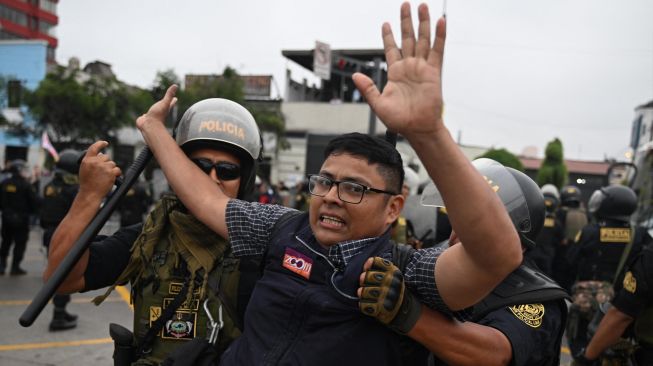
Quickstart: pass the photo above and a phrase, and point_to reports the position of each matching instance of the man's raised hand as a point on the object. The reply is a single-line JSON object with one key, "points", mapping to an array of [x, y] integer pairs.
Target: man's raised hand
{"points": [[97, 173], [157, 113], [411, 102]]}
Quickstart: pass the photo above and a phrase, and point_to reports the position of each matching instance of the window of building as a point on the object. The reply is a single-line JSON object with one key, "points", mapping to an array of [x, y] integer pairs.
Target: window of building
{"points": [[4, 35], [47, 28], [13, 93], [49, 6], [13, 15]]}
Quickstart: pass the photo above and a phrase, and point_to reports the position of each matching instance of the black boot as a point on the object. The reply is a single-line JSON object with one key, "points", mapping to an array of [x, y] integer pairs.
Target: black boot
{"points": [[3, 265], [62, 320], [17, 271]]}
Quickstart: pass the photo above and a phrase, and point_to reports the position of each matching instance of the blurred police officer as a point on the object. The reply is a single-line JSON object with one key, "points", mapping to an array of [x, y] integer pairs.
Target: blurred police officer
{"points": [[18, 201], [551, 233], [633, 304], [134, 205], [58, 196], [573, 218], [595, 256]]}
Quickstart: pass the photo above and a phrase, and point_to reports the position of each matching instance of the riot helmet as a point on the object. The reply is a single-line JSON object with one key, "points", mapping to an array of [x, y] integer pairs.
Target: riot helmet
{"points": [[570, 196], [551, 197], [613, 202], [69, 160], [17, 166], [520, 195], [218, 123]]}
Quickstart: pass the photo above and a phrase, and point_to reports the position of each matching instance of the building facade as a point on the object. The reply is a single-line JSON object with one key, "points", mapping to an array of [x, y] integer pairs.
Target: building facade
{"points": [[28, 20]]}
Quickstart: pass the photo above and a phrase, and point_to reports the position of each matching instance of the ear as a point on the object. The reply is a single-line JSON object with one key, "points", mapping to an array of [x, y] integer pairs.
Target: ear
{"points": [[393, 208]]}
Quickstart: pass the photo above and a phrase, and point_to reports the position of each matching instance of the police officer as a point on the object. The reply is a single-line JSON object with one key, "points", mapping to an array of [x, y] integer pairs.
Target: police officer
{"points": [[189, 292], [573, 218], [18, 201], [134, 205], [551, 233], [519, 323], [58, 196], [595, 256], [633, 304], [402, 230]]}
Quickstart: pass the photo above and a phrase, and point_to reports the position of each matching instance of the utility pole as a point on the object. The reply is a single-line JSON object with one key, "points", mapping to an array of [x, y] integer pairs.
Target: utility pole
{"points": [[377, 81]]}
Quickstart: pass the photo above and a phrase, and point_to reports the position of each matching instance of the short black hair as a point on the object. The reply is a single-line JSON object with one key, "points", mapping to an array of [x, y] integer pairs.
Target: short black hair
{"points": [[375, 151]]}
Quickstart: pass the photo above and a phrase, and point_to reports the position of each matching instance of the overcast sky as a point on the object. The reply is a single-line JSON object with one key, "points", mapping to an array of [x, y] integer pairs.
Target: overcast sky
{"points": [[517, 73]]}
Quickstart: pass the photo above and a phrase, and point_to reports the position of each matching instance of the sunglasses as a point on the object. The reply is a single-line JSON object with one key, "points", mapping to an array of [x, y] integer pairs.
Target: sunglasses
{"points": [[223, 169]]}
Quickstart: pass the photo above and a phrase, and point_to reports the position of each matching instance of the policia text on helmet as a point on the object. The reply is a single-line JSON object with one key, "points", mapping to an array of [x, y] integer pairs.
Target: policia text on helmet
{"points": [[222, 121]]}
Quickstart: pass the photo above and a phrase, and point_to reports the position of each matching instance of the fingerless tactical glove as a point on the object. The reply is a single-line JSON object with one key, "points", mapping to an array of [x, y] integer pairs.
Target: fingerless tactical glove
{"points": [[384, 296]]}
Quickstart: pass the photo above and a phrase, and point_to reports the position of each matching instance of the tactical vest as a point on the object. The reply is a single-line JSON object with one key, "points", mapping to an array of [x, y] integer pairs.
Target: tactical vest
{"points": [[525, 285], [189, 320], [304, 309], [605, 242], [157, 284]]}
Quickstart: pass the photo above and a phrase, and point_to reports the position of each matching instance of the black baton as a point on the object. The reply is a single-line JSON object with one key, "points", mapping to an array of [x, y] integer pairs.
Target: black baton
{"points": [[47, 291]]}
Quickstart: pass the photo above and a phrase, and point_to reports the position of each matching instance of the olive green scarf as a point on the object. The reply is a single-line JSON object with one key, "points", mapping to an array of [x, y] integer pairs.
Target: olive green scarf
{"points": [[186, 238]]}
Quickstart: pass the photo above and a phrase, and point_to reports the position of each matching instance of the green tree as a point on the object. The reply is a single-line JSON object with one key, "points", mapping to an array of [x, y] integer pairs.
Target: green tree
{"points": [[504, 157], [74, 109], [553, 169]]}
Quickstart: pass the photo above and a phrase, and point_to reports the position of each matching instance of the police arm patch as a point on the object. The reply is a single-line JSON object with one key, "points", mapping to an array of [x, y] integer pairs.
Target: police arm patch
{"points": [[530, 314], [630, 282]]}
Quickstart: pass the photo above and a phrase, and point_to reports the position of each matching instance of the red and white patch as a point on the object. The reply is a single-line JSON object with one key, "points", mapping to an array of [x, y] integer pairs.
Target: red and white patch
{"points": [[298, 263]]}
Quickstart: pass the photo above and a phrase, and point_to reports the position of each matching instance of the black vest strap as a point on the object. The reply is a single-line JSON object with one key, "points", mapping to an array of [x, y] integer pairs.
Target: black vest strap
{"points": [[523, 286]]}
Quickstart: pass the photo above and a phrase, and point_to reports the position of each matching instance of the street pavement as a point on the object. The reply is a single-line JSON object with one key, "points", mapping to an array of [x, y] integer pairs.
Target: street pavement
{"points": [[87, 344]]}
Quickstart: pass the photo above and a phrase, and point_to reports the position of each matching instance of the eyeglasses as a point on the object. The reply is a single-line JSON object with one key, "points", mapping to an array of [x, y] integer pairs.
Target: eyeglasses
{"points": [[350, 192], [223, 169]]}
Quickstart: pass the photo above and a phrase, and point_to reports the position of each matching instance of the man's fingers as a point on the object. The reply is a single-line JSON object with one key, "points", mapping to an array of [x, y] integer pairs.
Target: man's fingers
{"points": [[95, 149], [116, 171], [373, 278], [392, 53], [170, 94], [367, 88], [407, 33], [381, 264], [423, 32], [370, 293], [436, 55]]}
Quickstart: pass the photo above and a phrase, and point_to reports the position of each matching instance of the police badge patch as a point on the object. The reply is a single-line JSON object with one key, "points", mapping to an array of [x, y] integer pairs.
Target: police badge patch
{"points": [[630, 282], [181, 326], [531, 314]]}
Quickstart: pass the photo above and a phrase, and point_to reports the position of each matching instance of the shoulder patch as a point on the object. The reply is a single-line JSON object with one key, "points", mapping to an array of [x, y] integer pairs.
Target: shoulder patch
{"points": [[11, 188], [549, 222], [630, 282], [615, 235], [530, 314]]}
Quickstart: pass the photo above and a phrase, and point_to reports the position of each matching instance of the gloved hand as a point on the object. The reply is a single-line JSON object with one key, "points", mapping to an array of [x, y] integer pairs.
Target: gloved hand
{"points": [[581, 360], [384, 296]]}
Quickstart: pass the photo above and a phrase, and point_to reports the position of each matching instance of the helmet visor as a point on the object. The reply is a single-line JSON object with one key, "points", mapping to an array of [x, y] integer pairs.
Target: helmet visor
{"points": [[503, 184]]}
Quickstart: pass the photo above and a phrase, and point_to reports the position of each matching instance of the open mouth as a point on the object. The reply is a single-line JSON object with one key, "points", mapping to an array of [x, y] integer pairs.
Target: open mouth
{"points": [[332, 221]]}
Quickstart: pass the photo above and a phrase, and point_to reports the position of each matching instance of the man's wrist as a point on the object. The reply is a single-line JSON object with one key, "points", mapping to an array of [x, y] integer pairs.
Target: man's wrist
{"points": [[408, 314]]}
